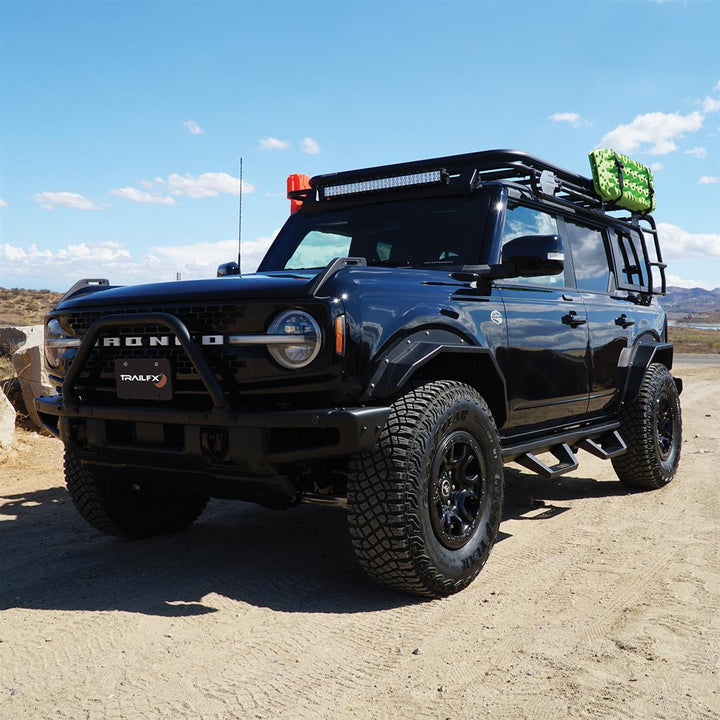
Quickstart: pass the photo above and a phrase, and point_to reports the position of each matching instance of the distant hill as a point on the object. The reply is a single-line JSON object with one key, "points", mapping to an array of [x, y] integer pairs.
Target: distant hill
{"points": [[25, 307], [692, 304]]}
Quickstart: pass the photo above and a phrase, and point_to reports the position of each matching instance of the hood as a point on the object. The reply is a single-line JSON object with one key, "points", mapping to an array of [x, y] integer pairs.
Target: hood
{"points": [[275, 285]]}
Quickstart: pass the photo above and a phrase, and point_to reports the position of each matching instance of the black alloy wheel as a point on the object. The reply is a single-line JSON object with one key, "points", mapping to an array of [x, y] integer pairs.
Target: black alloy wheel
{"points": [[457, 489]]}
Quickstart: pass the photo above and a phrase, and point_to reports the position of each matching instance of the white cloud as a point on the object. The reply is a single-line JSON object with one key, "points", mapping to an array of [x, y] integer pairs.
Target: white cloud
{"points": [[162, 191], [194, 260], [708, 180], [49, 200], [310, 146], [3, 203], [193, 127], [658, 130], [82, 254], [700, 152], [656, 166], [209, 184], [139, 196], [676, 281], [271, 143], [711, 105], [253, 251], [571, 118], [717, 87], [677, 244], [32, 266]]}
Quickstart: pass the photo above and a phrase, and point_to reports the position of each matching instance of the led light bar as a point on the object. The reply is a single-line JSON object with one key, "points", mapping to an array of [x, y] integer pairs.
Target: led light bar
{"points": [[387, 183]]}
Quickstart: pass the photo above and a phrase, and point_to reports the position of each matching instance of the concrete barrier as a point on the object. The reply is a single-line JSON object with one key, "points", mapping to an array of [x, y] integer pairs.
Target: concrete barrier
{"points": [[29, 364], [7, 422]]}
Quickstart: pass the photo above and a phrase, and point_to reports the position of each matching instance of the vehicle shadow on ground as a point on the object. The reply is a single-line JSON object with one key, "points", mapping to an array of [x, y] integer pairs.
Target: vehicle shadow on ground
{"points": [[299, 560]]}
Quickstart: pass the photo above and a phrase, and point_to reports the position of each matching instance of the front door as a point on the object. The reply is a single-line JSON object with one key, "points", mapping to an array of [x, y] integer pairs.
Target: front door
{"points": [[545, 362]]}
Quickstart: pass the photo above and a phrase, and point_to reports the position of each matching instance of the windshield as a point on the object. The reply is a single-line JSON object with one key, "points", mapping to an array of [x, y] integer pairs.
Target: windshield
{"points": [[414, 233]]}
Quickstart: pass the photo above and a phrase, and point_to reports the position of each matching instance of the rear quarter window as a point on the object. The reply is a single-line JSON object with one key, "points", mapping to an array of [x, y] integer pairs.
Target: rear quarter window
{"points": [[629, 261]]}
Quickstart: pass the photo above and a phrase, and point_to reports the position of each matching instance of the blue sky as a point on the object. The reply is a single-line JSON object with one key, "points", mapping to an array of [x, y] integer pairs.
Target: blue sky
{"points": [[123, 122]]}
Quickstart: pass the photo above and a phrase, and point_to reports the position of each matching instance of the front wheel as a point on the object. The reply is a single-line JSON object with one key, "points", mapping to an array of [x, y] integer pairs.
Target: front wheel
{"points": [[424, 506], [124, 505], [652, 428]]}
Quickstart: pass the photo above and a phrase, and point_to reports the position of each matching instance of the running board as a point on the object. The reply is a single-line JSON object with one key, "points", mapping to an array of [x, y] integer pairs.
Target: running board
{"points": [[608, 446], [602, 441], [567, 462]]}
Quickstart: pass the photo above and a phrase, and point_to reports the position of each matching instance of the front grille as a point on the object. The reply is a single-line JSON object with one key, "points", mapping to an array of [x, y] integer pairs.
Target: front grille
{"points": [[232, 365], [198, 318]]}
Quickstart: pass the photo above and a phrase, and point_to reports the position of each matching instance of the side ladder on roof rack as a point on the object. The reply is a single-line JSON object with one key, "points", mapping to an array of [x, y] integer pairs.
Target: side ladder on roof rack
{"points": [[651, 229]]}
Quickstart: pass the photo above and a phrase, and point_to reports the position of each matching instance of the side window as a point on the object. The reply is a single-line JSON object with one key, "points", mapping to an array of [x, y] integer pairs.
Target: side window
{"points": [[520, 221], [590, 258], [629, 260]]}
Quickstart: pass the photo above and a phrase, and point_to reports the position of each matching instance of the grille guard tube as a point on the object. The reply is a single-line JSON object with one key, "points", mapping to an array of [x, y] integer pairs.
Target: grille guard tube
{"points": [[169, 321]]}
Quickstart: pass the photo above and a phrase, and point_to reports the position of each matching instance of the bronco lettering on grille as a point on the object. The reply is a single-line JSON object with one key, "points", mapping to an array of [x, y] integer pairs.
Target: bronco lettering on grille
{"points": [[155, 340]]}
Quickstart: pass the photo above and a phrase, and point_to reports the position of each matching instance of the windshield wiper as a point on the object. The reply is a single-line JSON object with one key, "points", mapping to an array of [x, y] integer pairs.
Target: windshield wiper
{"points": [[389, 263]]}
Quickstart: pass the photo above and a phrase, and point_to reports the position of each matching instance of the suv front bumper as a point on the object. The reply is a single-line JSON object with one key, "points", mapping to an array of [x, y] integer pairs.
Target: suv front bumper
{"points": [[216, 441]]}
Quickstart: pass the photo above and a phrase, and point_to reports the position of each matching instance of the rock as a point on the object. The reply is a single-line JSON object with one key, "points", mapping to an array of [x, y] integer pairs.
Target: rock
{"points": [[7, 422], [34, 381], [11, 339], [34, 334]]}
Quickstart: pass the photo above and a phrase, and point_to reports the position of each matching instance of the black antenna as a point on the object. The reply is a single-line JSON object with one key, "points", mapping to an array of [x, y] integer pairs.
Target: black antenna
{"points": [[240, 219]]}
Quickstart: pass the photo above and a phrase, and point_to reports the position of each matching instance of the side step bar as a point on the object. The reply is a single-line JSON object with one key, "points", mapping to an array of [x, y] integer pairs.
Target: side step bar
{"points": [[608, 446], [602, 441], [567, 462]]}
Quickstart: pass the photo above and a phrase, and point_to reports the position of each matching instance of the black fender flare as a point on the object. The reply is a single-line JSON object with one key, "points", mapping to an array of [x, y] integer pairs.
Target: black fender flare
{"points": [[634, 362], [406, 358]]}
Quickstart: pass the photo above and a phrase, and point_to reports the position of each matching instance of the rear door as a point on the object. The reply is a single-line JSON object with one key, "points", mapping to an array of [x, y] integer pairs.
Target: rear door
{"points": [[610, 316], [545, 363]]}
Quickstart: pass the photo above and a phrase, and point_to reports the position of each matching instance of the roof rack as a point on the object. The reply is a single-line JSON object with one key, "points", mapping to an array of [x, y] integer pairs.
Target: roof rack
{"points": [[470, 170]]}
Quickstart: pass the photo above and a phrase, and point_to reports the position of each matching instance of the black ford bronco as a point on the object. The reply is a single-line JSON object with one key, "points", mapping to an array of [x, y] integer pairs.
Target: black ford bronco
{"points": [[412, 328]]}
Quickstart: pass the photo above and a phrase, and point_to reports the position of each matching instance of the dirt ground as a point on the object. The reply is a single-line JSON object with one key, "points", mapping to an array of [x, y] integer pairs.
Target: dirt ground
{"points": [[595, 603]]}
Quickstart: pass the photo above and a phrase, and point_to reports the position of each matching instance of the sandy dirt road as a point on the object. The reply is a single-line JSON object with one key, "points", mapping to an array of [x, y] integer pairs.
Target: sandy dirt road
{"points": [[595, 603]]}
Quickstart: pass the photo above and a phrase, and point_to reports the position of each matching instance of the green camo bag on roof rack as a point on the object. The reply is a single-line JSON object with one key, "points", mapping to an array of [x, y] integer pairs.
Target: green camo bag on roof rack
{"points": [[622, 181]]}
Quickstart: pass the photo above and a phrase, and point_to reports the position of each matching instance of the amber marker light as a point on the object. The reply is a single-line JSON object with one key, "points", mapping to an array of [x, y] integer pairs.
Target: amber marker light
{"points": [[340, 334]]}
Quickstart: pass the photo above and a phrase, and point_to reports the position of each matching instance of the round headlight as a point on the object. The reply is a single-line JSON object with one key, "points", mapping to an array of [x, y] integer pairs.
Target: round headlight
{"points": [[297, 339], [57, 341]]}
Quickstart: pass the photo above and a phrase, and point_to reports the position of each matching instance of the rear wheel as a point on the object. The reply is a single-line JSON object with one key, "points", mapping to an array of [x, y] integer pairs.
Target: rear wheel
{"points": [[117, 504], [652, 428], [424, 505]]}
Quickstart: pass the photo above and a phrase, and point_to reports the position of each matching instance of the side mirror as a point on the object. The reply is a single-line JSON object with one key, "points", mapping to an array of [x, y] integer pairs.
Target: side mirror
{"points": [[535, 255], [228, 268]]}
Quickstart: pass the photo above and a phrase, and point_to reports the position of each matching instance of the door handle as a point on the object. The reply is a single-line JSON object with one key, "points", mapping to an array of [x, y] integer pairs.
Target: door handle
{"points": [[573, 319], [624, 321]]}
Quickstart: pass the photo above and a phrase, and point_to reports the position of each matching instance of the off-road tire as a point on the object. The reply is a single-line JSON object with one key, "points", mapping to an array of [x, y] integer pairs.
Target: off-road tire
{"points": [[405, 535], [652, 428], [117, 504]]}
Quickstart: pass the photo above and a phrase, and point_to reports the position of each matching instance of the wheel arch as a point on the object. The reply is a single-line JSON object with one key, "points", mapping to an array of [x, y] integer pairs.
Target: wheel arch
{"points": [[439, 354], [635, 361]]}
